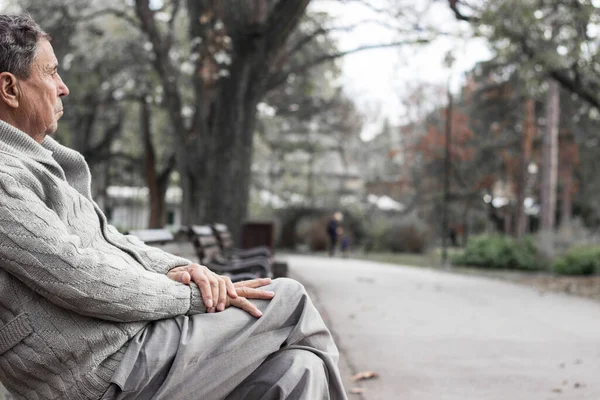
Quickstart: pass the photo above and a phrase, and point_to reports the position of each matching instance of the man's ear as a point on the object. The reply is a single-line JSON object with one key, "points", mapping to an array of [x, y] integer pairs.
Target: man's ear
{"points": [[9, 90]]}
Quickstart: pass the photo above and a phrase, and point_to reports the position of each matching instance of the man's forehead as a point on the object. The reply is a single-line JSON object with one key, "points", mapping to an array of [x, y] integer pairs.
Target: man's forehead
{"points": [[45, 57]]}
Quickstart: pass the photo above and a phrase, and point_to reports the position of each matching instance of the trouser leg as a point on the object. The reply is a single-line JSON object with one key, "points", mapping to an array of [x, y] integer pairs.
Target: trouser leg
{"points": [[332, 245], [292, 374], [219, 351]]}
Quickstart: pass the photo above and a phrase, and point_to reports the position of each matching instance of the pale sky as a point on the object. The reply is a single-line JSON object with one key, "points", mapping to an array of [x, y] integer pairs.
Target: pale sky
{"points": [[376, 79]]}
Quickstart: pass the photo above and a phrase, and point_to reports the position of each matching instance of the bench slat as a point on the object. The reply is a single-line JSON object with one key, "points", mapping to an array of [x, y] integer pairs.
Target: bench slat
{"points": [[153, 235]]}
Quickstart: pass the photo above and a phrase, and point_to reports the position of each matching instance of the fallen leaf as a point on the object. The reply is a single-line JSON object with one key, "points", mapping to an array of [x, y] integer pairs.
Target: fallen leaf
{"points": [[357, 390], [557, 390], [364, 375], [577, 385]]}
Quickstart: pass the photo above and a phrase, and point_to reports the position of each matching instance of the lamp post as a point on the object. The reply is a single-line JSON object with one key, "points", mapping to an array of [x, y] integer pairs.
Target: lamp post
{"points": [[449, 60], [447, 167]]}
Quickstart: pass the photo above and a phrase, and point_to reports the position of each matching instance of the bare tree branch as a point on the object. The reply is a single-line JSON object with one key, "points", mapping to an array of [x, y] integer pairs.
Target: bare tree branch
{"points": [[322, 31], [458, 14], [166, 172], [408, 23], [280, 78], [171, 23], [123, 14], [123, 156], [163, 65], [571, 84], [588, 92], [281, 22]]}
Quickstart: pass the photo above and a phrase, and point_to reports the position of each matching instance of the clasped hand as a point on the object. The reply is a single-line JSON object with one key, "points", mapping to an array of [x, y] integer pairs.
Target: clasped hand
{"points": [[218, 292]]}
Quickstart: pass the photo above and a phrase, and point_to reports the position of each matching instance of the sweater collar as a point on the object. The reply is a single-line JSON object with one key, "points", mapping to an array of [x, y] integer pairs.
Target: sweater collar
{"points": [[15, 141], [64, 162]]}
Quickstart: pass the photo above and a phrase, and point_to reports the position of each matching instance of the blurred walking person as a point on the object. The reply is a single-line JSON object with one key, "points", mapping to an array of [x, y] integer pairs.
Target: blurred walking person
{"points": [[334, 230]]}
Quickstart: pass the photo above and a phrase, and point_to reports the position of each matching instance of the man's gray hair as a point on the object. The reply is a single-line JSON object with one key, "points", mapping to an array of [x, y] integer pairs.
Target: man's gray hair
{"points": [[19, 37]]}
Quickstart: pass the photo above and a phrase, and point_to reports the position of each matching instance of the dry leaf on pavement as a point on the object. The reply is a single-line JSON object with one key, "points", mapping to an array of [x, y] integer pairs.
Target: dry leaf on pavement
{"points": [[364, 375]]}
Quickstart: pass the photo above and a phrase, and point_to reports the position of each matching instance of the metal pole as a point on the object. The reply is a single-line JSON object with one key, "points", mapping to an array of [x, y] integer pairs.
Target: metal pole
{"points": [[447, 167]]}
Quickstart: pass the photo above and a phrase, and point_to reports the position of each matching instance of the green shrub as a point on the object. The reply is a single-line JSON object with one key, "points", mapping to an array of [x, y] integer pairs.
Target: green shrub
{"points": [[407, 238], [376, 238], [500, 252], [578, 261], [386, 232]]}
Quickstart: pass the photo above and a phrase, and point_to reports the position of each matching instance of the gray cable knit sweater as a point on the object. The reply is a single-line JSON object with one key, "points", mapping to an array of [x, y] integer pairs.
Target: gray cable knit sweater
{"points": [[73, 290]]}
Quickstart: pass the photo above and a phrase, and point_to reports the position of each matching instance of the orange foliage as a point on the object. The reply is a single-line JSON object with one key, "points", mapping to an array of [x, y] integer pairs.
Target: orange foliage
{"points": [[486, 182], [432, 145], [568, 158]]}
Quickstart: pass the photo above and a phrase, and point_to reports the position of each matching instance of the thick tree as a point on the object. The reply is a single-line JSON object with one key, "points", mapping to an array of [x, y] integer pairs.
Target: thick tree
{"points": [[214, 150], [529, 129], [157, 180], [550, 158], [240, 51]]}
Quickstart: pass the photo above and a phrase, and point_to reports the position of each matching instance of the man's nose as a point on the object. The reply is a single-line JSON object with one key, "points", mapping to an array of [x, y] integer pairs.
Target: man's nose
{"points": [[63, 90]]}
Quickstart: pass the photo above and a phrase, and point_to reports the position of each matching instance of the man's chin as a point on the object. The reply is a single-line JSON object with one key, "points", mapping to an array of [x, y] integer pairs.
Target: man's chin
{"points": [[51, 130]]}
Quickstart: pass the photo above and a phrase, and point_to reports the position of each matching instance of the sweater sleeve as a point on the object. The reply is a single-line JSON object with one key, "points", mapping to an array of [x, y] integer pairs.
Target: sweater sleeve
{"points": [[38, 248], [154, 259]]}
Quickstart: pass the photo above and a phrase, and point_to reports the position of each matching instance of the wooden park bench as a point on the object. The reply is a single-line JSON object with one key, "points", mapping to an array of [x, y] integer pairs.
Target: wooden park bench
{"points": [[170, 243], [153, 236], [210, 254], [166, 240], [279, 267], [227, 248]]}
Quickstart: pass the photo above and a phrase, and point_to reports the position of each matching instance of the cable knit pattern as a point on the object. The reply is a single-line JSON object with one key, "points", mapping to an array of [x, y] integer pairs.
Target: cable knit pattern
{"points": [[73, 290]]}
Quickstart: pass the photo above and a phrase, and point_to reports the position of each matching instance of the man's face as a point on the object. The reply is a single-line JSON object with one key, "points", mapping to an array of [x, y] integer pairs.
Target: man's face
{"points": [[40, 106]]}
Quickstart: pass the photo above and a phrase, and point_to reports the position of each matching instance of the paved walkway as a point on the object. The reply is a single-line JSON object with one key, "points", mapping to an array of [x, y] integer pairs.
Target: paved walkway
{"points": [[432, 335]]}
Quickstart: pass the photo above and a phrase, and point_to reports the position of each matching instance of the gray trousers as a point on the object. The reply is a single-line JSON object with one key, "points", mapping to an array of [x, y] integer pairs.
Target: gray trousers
{"points": [[288, 353]]}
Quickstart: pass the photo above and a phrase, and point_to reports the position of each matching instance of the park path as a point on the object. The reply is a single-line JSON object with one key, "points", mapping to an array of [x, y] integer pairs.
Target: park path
{"points": [[434, 335]]}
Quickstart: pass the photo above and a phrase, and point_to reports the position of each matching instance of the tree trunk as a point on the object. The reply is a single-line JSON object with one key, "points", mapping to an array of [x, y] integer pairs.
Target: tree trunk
{"points": [[446, 182], [310, 192], [507, 220], [156, 188], [345, 168], [568, 157], [550, 158], [222, 191], [214, 154], [466, 221], [567, 201], [522, 178]]}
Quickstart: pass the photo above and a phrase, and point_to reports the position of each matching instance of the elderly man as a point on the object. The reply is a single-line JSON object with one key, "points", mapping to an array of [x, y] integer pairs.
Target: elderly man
{"points": [[87, 313]]}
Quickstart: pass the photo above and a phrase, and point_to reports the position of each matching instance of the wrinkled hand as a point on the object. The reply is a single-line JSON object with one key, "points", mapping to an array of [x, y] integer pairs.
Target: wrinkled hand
{"points": [[213, 288], [250, 290], [218, 292]]}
